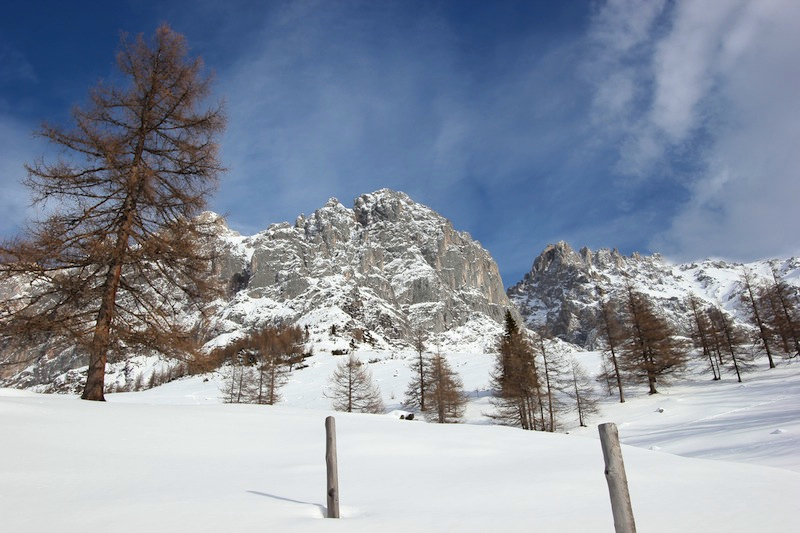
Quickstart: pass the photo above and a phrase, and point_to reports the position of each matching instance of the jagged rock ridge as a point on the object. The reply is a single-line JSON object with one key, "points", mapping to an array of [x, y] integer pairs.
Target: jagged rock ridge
{"points": [[563, 287], [386, 265], [377, 271]]}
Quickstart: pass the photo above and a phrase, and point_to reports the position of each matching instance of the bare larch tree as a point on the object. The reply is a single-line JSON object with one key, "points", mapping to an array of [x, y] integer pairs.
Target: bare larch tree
{"points": [[107, 270], [420, 373], [750, 297], [728, 341], [650, 352], [352, 388], [582, 392], [611, 332], [701, 331], [781, 302], [446, 398]]}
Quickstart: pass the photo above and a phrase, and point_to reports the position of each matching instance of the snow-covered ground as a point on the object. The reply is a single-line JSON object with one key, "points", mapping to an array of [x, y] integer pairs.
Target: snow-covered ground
{"points": [[174, 459]]}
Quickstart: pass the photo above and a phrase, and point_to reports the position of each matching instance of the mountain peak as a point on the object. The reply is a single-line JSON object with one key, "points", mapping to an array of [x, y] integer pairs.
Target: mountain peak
{"points": [[387, 265], [563, 287]]}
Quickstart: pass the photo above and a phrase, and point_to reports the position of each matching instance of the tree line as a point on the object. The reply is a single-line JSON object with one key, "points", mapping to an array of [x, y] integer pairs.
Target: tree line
{"points": [[259, 364], [534, 385], [641, 346]]}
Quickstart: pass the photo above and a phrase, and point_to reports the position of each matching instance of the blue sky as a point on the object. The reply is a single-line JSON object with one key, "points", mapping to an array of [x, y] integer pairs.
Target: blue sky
{"points": [[650, 126]]}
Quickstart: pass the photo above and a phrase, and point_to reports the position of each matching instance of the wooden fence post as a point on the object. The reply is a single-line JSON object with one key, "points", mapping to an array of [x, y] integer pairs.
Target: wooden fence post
{"points": [[616, 479], [333, 473]]}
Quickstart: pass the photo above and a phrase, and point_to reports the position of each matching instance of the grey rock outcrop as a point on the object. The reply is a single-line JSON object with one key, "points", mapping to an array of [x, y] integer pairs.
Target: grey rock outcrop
{"points": [[563, 288], [388, 264], [376, 271]]}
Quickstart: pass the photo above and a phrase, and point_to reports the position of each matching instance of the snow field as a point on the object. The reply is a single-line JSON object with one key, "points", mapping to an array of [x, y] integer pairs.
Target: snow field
{"points": [[72, 465], [174, 459]]}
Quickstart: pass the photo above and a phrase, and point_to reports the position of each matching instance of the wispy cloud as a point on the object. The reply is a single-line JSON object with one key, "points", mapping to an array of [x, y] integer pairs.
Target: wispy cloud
{"points": [[336, 101], [19, 148], [14, 66], [659, 125], [707, 96]]}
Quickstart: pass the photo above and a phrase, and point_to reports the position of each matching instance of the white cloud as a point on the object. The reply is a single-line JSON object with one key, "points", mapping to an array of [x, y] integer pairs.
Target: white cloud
{"points": [[619, 27], [745, 205], [714, 104], [316, 113]]}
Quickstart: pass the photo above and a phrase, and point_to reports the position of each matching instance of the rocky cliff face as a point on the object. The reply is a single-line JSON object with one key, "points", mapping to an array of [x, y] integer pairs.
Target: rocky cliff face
{"points": [[386, 265], [376, 271], [563, 287]]}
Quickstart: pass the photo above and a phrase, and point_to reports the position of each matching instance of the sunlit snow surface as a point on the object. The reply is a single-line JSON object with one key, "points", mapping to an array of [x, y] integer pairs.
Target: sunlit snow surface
{"points": [[174, 459]]}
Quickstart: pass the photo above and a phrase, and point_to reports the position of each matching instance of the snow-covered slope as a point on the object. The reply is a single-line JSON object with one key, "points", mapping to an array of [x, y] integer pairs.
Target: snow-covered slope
{"points": [[137, 463], [563, 287]]}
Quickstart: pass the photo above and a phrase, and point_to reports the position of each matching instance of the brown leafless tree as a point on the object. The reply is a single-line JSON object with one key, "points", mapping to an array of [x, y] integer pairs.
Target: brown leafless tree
{"points": [[109, 270], [420, 373], [611, 332], [553, 374], [783, 313], [446, 398], [650, 353], [258, 365], [750, 297], [728, 340], [352, 388], [582, 392], [701, 335]]}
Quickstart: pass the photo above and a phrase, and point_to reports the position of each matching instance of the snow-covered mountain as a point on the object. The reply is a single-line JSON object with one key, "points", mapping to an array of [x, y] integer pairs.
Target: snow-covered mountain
{"points": [[369, 275], [563, 287], [385, 266], [372, 274]]}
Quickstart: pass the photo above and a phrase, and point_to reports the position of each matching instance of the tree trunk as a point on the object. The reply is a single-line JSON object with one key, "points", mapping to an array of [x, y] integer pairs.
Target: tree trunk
{"points": [[761, 328], [651, 377], [98, 350], [619, 378]]}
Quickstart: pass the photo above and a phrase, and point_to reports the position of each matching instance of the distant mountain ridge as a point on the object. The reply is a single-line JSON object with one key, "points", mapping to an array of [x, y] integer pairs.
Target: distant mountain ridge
{"points": [[563, 287], [370, 275]]}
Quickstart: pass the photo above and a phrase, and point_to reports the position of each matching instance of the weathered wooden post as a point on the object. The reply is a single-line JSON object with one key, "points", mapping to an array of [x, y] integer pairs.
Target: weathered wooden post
{"points": [[616, 479], [333, 472]]}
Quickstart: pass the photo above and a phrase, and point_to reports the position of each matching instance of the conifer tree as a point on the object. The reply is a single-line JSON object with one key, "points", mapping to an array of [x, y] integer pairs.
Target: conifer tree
{"points": [[446, 398], [553, 374], [701, 335], [104, 268], [352, 389], [259, 364], [729, 340], [612, 334], [420, 374], [239, 377], [582, 393], [783, 314], [752, 301], [650, 352], [277, 349], [516, 382]]}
